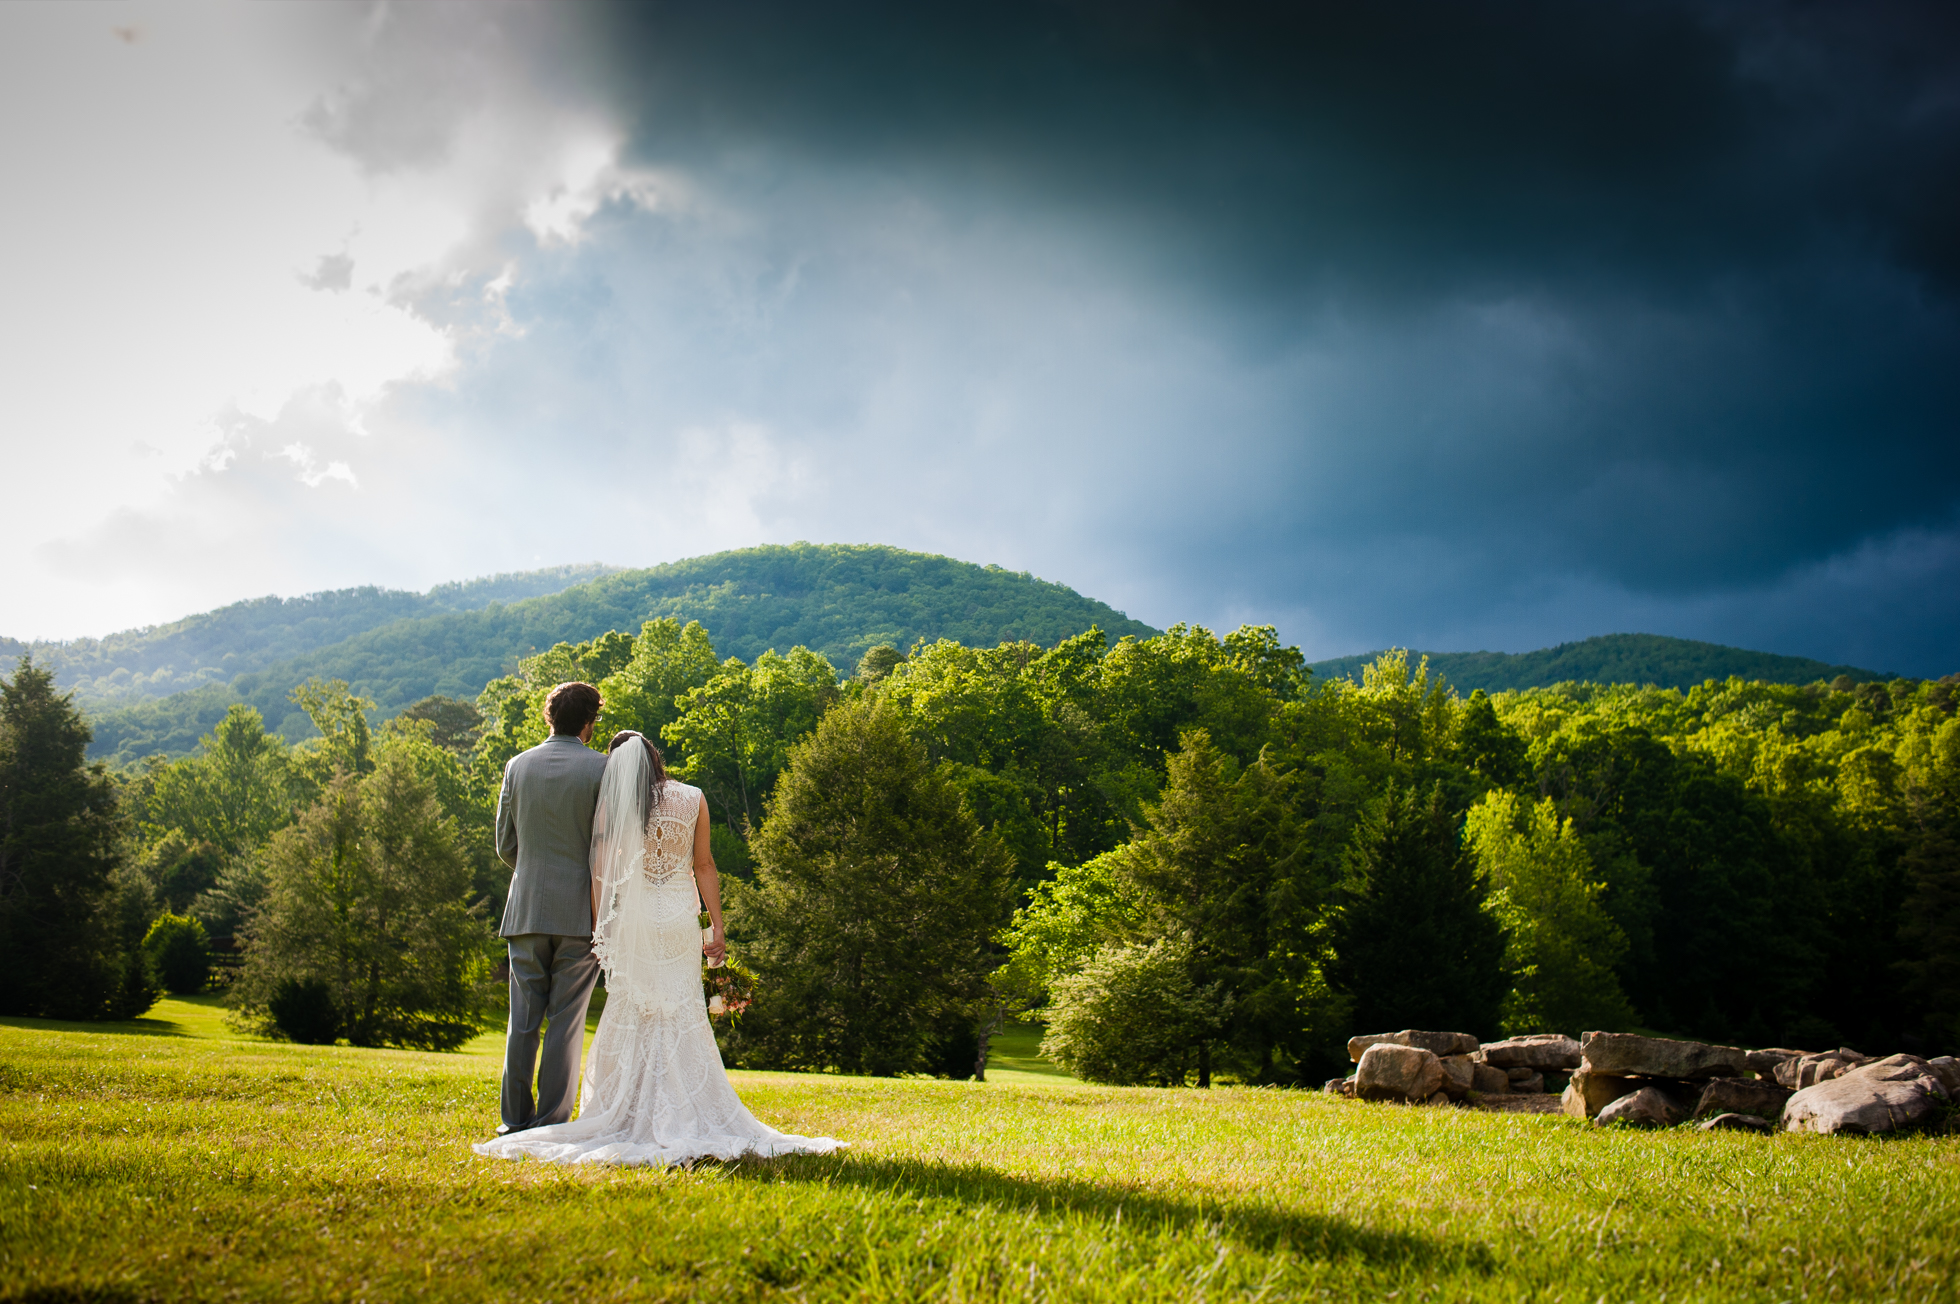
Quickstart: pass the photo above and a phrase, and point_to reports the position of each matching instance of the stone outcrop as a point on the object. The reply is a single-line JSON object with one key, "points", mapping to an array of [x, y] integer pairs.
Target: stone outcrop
{"points": [[1490, 1081], [1888, 1095], [1439, 1044], [1623, 1054], [1358, 1046], [1763, 1062], [1647, 1107], [1539, 1051], [1590, 1092], [1526, 1082], [1809, 1070], [1947, 1070], [1459, 1075], [1756, 1096], [1738, 1123], [1393, 1072]]}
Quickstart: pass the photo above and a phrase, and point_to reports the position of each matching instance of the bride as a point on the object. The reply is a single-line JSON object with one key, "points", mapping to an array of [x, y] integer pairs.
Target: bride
{"points": [[654, 1090]]}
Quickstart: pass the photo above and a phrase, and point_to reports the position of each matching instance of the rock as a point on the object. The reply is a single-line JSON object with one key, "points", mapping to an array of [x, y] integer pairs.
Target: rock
{"points": [[1440, 1098], [1742, 1096], [1947, 1070], [1332, 1086], [1895, 1068], [1357, 1046], [1391, 1072], [1489, 1081], [1545, 1050], [1459, 1075], [1532, 1084], [1437, 1043], [1590, 1092], [1738, 1123], [1622, 1054], [1764, 1062], [1647, 1107], [1347, 1086], [1858, 1104], [1809, 1070]]}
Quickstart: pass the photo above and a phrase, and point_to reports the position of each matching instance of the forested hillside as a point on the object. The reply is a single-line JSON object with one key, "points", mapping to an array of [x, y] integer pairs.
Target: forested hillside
{"points": [[215, 647], [835, 599], [1611, 659]]}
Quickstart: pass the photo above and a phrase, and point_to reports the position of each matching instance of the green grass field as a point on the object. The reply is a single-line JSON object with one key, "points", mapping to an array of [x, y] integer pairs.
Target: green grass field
{"points": [[172, 1159]]}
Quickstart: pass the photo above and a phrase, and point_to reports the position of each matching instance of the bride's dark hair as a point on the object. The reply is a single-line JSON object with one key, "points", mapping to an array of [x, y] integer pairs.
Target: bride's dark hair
{"points": [[656, 766]]}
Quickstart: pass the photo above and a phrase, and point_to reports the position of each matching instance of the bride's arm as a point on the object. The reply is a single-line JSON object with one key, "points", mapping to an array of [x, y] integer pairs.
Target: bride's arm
{"points": [[709, 881]]}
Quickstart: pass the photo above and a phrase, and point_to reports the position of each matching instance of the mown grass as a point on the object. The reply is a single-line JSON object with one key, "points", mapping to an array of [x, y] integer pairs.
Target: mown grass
{"points": [[193, 1164]]}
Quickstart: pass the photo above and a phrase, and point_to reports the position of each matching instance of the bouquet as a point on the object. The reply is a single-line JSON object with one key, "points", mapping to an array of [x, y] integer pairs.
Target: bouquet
{"points": [[729, 986]]}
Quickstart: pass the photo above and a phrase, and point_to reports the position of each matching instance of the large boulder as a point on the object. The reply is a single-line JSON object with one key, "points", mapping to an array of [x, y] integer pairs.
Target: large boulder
{"points": [[1947, 1070], [1647, 1107], [1809, 1070], [1526, 1082], [1763, 1062], [1459, 1075], [1882, 1096], [1391, 1072], [1623, 1054], [1541, 1051], [1590, 1092], [1358, 1046], [1742, 1096], [1490, 1081]]}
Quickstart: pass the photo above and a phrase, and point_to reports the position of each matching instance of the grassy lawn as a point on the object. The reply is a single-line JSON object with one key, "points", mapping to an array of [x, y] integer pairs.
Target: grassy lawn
{"points": [[171, 1159]]}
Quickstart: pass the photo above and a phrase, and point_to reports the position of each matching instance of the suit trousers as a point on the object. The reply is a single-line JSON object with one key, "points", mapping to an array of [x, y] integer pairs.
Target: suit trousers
{"points": [[551, 980]]}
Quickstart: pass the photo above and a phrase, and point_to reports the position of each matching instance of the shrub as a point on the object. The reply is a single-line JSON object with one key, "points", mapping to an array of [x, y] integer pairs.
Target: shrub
{"points": [[179, 954], [303, 1011], [1133, 1016]]}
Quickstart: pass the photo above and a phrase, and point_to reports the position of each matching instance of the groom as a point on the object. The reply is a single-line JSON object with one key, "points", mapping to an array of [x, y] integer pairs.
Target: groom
{"points": [[544, 833]]}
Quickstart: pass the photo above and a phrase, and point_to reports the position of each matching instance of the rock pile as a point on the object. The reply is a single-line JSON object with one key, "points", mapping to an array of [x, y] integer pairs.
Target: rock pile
{"points": [[1618, 1077], [1440, 1068], [1659, 1082]]}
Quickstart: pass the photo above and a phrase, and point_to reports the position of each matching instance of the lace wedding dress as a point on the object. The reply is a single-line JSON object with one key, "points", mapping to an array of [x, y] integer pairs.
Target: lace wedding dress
{"points": [[654, 1090]]}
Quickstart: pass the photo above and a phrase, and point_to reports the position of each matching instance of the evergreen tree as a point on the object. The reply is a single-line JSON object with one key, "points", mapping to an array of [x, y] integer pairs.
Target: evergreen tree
{"points": [[874, 899], [61, 952], [368, 895], [1414, 946]]}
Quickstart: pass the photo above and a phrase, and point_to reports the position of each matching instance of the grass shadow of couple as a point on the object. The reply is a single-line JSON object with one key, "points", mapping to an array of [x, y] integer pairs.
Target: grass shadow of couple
{"points": [[1266, 1226]]}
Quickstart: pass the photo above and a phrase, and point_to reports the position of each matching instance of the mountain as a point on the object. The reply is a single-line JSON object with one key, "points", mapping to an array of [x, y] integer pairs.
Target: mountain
{"points": [[836, 599], [1610, 659], [216, 647]]}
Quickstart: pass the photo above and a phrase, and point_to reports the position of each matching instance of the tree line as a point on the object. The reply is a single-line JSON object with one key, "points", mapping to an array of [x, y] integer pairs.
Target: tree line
{"points": [[1184, 854]]}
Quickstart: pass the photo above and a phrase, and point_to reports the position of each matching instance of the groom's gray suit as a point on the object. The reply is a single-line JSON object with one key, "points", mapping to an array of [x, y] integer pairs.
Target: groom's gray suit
{"points": [[544, 833]]}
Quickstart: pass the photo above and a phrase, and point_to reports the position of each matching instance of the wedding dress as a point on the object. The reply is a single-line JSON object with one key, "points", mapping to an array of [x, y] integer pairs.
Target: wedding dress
{"points": [[654, 1090]]}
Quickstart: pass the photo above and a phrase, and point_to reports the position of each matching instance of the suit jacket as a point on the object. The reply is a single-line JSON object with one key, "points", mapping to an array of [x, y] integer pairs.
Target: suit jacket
{"points": [[544, 833]]}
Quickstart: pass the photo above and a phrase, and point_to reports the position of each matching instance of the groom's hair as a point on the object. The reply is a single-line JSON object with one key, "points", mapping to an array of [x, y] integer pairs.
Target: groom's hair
{"points": [[571, 707]]}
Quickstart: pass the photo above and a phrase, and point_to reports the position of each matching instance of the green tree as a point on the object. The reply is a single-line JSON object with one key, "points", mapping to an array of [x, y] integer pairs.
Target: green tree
{"points": [[736, 730], [368, 895], [61, 952], [1563, 944], [454, 725], [1414, 946], [668, 661], [874, 899]]}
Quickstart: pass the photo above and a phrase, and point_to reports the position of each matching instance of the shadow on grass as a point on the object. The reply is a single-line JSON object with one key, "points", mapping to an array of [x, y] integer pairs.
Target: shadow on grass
{"points": [[1263, 1226], [115, 1027]]}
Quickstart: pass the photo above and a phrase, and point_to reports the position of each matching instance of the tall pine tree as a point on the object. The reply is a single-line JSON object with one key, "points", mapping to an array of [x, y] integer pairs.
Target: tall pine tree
{"points": [[61, 955], [1414, 946]]}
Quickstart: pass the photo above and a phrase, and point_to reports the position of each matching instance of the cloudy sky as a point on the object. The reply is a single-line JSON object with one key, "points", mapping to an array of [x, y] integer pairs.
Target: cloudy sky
{"points": [[1450, 325]]}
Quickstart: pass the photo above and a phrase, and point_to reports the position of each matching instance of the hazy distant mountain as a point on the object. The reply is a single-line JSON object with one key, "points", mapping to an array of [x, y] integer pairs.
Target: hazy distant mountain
{"points": [[216, 647], [1609, 659], [836, 599]]}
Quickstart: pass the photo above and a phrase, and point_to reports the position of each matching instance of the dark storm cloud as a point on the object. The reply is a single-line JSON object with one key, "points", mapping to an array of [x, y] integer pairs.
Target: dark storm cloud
{"points": [[1654, 298]]}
